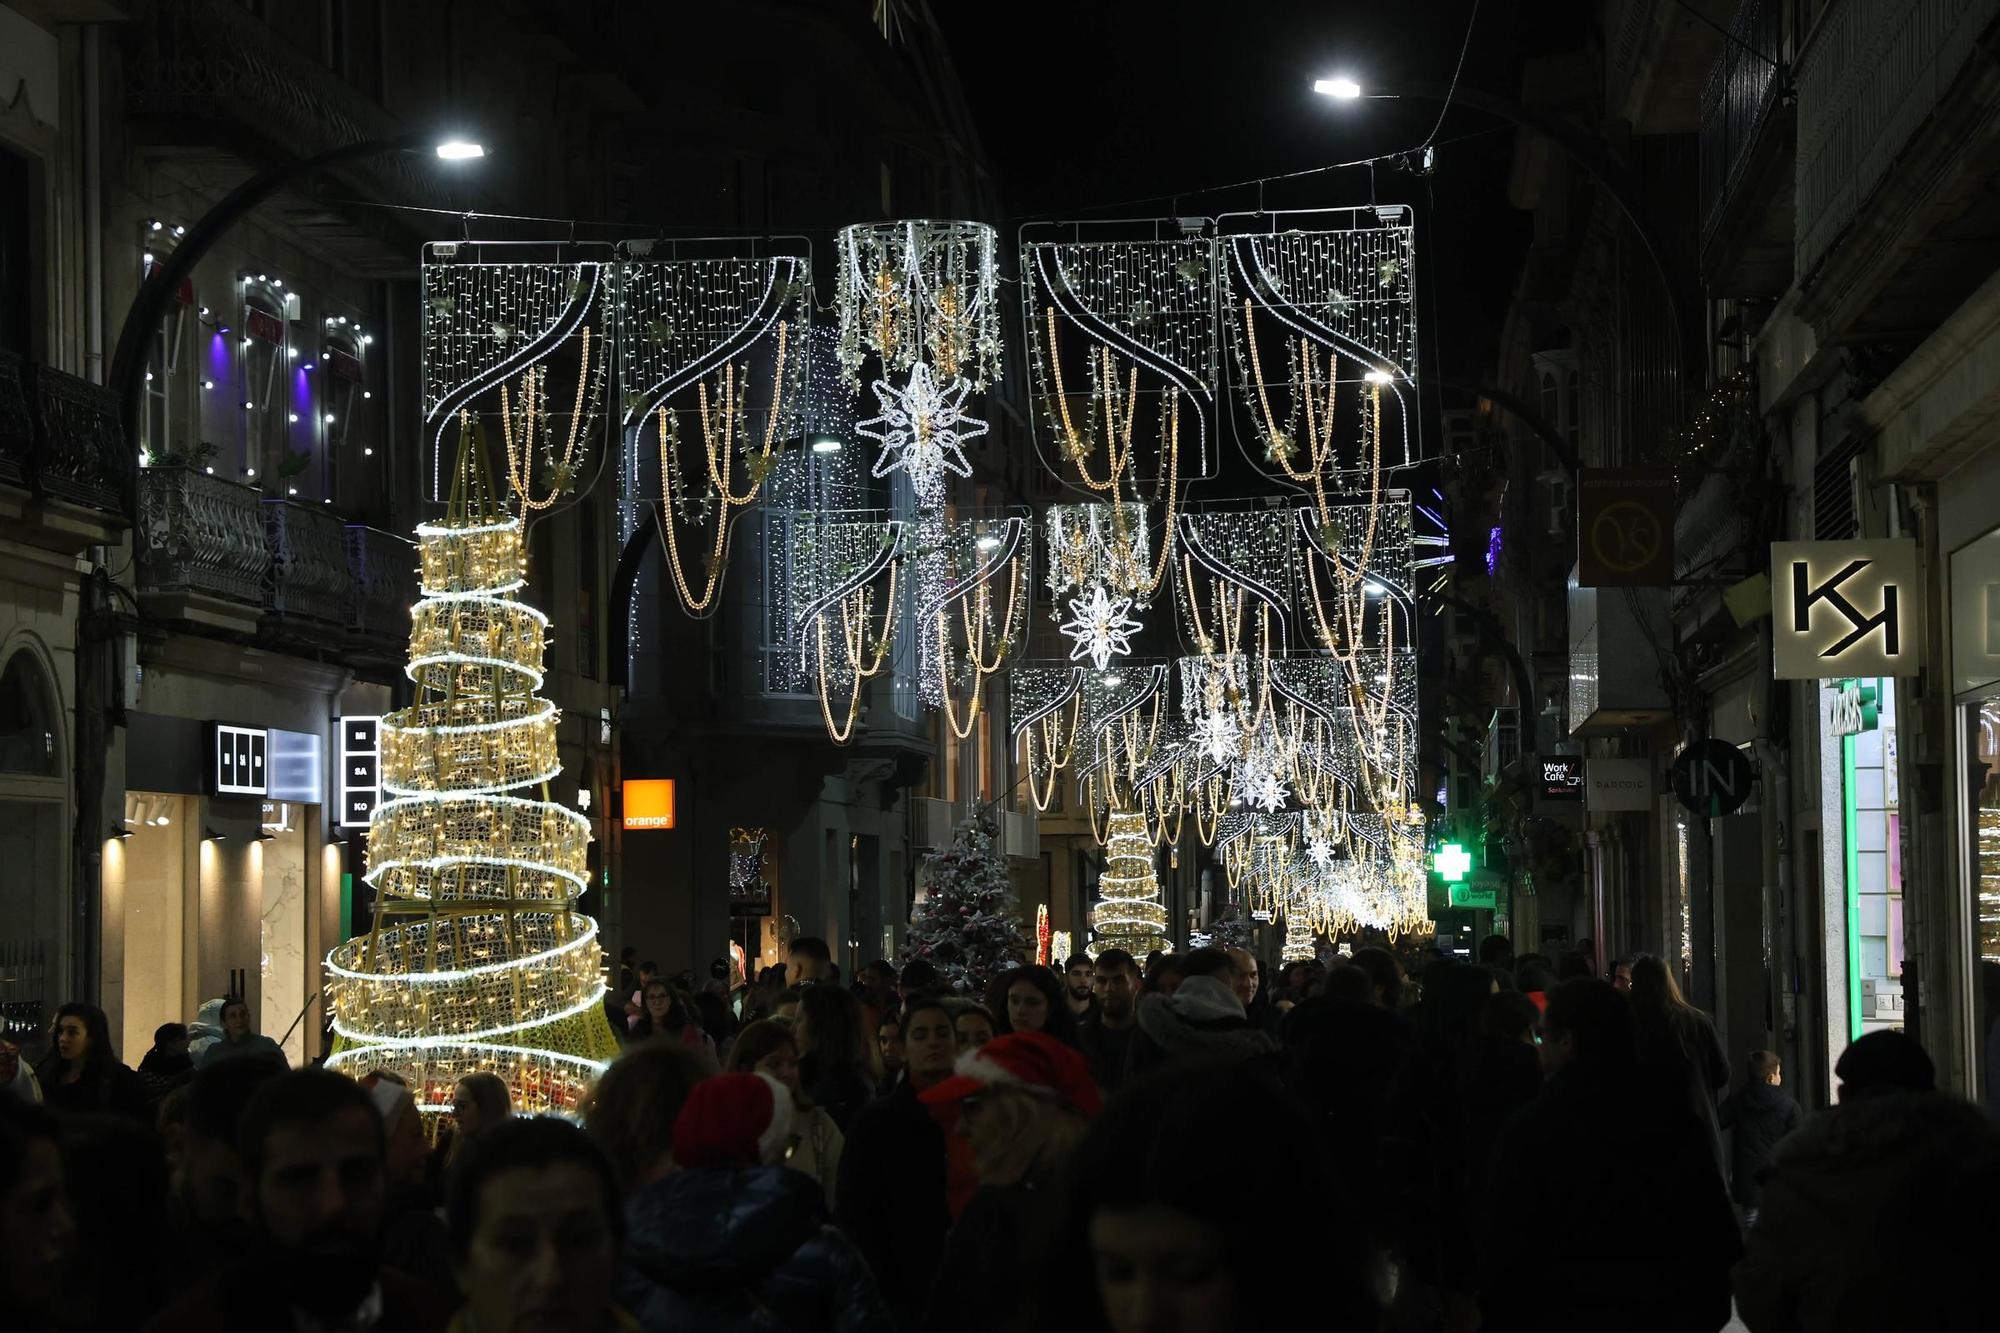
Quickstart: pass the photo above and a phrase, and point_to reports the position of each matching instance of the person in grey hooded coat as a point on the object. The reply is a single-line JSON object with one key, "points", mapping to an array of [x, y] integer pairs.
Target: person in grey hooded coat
{"points": [[1201, 1020]]}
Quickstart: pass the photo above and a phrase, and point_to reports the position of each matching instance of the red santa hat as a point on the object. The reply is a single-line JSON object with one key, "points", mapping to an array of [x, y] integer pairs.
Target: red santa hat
{"points": [[1032, 1061], [733, 1120]]}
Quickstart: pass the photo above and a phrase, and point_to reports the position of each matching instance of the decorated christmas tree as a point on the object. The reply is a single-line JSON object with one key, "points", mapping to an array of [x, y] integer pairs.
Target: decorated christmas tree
{"points": [[968, 925], [1232, 928], [1129, 914], [477, 959]]}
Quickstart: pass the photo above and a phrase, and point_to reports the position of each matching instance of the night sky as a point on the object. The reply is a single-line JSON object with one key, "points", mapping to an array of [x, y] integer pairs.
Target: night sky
{"points": [[1086, 104]]}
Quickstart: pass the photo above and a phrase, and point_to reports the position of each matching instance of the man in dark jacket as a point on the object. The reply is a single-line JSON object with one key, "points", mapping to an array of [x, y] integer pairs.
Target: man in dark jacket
{"points": [[891, 1193], [1201, 1020], [1663, 1262], [1756, 1115], [1879, 1212], [1106, 1036], [313, 1157]]}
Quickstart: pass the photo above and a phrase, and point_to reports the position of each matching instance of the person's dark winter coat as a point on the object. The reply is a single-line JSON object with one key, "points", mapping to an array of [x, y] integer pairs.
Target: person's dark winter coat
{"points": [[1201, 1020], [1877, 1214], [726, 1248], [1498, 1078], [891, 1197], [108, 1089], [1108, 1049], [1684, 1058], [840, 1092], [253, 1295], [982, 1283], [1602, 1202], [1757, 1115]]}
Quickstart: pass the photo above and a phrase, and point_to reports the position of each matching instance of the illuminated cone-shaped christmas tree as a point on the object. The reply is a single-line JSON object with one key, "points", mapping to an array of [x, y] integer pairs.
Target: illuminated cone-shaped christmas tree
{"points": [[477, 959], [1129, 914], [1299, 946]]}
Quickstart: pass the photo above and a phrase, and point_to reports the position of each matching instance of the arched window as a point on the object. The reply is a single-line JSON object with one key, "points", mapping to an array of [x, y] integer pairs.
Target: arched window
{"points": [[29, 720]]}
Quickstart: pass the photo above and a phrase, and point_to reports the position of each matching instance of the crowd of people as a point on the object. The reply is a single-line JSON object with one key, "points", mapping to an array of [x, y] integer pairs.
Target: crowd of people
{"points": [[1125, 1145]]}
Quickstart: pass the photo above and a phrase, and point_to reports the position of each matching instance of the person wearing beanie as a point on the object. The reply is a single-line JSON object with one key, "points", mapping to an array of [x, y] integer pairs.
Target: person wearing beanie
{"points": [[1877, 1212], [1025, 1099], [733, 1239], [1201, 1020], [1881, 1063]]}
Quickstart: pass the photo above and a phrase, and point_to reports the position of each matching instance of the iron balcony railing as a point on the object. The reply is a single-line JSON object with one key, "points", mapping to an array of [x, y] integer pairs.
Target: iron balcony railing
{"points": [[1745, 84], [59, 436]]}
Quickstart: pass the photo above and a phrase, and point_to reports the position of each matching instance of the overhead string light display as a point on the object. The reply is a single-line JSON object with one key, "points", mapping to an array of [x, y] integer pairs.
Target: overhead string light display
{"points": [[920, 299], [713, 365], [477, 960], [523, 345], [1121, 337]]}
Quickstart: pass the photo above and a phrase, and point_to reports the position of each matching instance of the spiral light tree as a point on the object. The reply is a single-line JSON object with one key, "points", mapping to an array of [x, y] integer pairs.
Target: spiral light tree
{"points": [[477, 959], [1128, 914]]}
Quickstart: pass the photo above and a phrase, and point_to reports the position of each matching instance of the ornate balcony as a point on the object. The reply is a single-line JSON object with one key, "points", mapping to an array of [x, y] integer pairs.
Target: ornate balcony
{"points": [[1896, 149], [306, 578], [80, 452], [1747, 131], [208, 74], [382, 569], [59, 438], [201, 535], [17, 427]]}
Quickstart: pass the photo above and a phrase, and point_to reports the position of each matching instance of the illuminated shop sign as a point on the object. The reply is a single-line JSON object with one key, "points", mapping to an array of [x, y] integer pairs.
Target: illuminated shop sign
{"points": [[236, 760], [1843, 609], [360, 769]]}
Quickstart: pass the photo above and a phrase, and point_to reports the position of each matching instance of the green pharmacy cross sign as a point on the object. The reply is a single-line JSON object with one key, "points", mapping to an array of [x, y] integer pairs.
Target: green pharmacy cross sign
{"points": [[1451, 862]]}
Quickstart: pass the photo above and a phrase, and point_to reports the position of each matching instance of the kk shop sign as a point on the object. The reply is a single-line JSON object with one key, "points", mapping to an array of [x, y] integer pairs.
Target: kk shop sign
{"points": [[1845, 609]]}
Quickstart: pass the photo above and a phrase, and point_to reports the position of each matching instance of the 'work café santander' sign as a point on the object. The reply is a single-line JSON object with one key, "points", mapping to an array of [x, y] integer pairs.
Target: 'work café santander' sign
{"points": [[1845, 609]]}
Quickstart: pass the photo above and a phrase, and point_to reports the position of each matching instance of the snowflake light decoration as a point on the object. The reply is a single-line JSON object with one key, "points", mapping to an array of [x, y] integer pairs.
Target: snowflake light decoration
{"points": [[923, 429], [1217, 735], [1101, 625], [1321, 853]]}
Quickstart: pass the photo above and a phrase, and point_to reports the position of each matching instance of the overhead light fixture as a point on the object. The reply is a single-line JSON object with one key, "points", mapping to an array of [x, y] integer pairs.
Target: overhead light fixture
{"points": [[263, 835], [460, 150], [825, 444], [180, 230], [1340, 87], [1377, 377]]}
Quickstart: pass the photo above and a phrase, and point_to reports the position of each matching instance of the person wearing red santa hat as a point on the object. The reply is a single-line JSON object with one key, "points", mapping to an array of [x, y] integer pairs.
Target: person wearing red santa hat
{"points": [[733, 1231], [1026, 1099]]}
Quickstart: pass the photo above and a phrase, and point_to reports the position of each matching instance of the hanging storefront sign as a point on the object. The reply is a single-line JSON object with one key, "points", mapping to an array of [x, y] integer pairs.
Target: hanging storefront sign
{"points": [[1618, 784], [236, 760], [1560, 777], [295, 766], [1845, 609], [649, 803], [360, 769], [1712, 778], [1625, 528]]}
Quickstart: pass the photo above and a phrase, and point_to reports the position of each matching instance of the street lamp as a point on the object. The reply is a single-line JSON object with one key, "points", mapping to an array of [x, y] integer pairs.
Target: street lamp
{"points": [[1585, 150], [149, 307]]}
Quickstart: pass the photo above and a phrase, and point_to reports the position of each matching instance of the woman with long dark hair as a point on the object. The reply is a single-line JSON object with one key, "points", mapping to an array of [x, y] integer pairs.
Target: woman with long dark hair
{"points": [[81, 1072], [667, 1012], [768, 1047], [1030, 999], [836, 1057], [1678, 1049]]}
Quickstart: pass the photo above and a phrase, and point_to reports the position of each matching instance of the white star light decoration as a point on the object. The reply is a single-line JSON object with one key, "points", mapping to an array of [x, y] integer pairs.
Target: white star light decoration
{"points": [[923, 429], [1321, 852], [1217, 736], [1101, 625]]}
